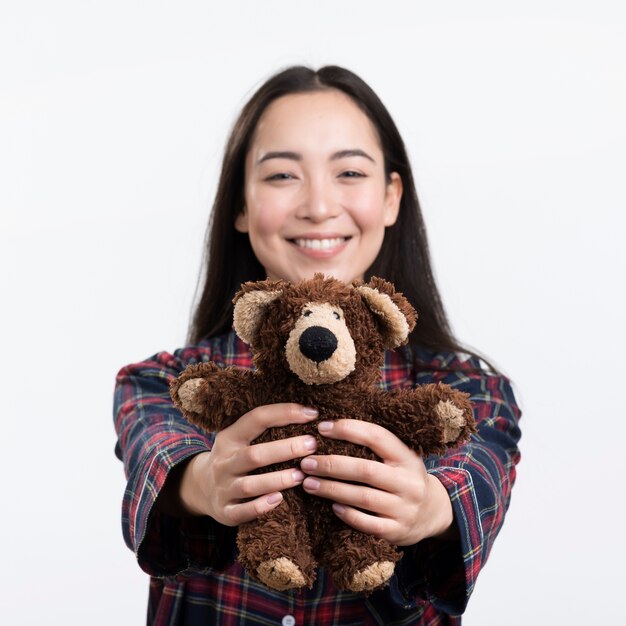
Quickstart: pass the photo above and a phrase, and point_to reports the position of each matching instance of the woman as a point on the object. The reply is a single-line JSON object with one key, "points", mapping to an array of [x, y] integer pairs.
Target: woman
{"points": [[315, 178]]}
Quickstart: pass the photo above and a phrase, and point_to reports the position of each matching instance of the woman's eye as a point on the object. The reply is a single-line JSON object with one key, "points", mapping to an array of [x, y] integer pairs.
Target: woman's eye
{"points": [[351, 174], [280, 176]]}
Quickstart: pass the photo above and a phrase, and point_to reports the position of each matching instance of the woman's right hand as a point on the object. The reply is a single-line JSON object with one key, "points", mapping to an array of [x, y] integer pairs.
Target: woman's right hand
{"points": [[219, 483]]}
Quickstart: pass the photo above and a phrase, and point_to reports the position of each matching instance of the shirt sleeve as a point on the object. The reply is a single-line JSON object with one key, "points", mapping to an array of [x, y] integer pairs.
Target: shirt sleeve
{"points": [[153, 438], [478, 477]]}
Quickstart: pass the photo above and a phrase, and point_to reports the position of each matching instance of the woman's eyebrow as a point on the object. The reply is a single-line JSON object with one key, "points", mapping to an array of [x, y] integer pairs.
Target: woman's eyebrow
{"points": [[295, 156], [342, 154]]}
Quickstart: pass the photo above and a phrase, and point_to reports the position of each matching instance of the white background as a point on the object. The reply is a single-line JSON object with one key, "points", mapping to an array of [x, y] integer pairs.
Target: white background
{"points": [[113, 116]]}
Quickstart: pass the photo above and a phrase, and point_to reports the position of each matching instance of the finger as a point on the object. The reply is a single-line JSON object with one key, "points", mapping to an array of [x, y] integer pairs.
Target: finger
{"points": [[378, 439], [254, 485], [262, 454], [380, 527], [352, 469], [360, 496], [252, 424], [236, 514]]}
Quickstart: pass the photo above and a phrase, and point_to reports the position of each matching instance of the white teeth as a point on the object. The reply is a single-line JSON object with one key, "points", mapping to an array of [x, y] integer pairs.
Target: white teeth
{"points": [[319, 244]]}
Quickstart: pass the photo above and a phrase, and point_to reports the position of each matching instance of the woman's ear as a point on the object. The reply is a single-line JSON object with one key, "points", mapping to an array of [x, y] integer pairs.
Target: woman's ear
{"points": [[393, 195], [241, 221]]}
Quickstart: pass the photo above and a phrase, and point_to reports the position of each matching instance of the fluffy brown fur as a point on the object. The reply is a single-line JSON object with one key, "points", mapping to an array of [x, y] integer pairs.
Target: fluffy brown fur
{"points": [[284, 547]]}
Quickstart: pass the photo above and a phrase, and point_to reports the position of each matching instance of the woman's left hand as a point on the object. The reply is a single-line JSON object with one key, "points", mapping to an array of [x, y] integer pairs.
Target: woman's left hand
{"points": [[396, 499]]}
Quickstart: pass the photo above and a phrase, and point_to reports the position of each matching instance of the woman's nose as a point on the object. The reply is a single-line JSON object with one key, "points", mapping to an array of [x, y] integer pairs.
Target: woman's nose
{"points": [[318, 203]]}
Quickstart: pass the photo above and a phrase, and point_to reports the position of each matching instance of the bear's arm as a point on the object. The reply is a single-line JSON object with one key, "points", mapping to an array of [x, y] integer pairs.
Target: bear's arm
{"points": [[212, 397], [429, 419]]}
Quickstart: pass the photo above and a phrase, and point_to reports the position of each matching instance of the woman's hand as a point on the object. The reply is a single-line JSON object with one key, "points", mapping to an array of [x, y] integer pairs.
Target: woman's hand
{"points": [[219, 483], [396, 499]]}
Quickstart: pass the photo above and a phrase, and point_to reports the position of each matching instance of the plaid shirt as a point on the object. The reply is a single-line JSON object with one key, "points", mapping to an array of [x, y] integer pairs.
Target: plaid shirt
{"points": [[195, 578]]}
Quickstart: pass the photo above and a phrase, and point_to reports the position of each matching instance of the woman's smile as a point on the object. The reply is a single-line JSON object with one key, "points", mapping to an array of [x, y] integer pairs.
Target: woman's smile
{"points": [[320, 246]]}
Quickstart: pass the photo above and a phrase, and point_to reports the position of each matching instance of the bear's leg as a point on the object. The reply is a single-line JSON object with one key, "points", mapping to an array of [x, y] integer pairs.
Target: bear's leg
{"points": [[275, 548], [356, 561]]}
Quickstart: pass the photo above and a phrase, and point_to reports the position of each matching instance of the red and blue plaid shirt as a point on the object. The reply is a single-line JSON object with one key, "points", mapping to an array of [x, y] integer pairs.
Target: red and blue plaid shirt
{"points": [[195, 578]]}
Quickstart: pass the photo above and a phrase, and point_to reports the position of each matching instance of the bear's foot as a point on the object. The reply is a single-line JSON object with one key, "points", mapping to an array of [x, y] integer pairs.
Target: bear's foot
{"points": [[372, 576], [280, 574], [356, 561], [452, 420]]}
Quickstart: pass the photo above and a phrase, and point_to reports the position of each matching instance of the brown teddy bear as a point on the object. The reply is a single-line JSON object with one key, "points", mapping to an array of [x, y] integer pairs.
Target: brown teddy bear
{"points": [[321, 343]]}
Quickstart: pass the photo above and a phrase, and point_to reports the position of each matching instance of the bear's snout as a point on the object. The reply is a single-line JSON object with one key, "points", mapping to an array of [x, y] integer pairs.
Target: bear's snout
{"points": [[318, 343], [320, 349]]}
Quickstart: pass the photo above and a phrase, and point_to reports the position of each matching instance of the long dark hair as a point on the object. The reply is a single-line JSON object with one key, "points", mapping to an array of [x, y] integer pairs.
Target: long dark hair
{"points": [[403, 258]]}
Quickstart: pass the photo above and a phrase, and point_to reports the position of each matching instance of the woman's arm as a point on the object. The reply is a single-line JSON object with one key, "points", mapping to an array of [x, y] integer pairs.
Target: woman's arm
{"points": [[153, 439], [478, 477]]}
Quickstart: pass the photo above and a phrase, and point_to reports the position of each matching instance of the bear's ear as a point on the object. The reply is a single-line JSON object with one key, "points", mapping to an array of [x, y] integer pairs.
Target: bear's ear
{"points": [[395, 315], [250, 304]]}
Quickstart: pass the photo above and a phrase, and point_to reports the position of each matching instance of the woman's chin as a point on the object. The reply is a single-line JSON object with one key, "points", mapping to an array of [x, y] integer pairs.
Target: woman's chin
{"points": [[308, 273]]}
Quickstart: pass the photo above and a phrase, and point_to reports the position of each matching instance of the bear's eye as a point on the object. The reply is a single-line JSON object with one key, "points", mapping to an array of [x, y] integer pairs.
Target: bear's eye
{"points": [[307, 313], [337, 316]]}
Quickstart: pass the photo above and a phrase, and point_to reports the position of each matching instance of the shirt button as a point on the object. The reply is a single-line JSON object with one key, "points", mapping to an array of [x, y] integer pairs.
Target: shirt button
{"points": [[288, 620]]}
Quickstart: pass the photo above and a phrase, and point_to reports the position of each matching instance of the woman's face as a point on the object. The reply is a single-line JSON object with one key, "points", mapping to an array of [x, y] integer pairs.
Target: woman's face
{"points": [[316, 195]]}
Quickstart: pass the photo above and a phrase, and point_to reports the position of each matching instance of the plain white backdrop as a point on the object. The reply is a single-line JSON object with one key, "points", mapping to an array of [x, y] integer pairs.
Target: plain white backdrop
{"points": [[113, 117]]}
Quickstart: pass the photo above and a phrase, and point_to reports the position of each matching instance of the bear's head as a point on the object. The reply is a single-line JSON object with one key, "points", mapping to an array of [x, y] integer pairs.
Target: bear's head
{"points": [[321, 329]]}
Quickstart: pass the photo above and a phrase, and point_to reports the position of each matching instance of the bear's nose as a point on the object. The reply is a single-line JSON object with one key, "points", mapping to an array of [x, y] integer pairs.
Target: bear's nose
{"points": [[317, 343]]}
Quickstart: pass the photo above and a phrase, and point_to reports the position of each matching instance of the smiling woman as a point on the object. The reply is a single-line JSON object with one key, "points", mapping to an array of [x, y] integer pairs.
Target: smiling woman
{"points": [[315, 178], [317, 197]]}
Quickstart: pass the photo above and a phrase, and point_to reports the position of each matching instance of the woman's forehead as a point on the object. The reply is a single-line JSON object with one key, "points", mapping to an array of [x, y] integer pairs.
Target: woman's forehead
{"points": [[321, 121]]}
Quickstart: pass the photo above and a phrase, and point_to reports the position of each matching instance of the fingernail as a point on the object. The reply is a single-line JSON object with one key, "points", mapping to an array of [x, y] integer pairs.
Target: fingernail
{"points": [[308, 464], [310, 443], [309, 412], [298, 476], [325, 427], [312, 484], [339, 509], [274, 498]]}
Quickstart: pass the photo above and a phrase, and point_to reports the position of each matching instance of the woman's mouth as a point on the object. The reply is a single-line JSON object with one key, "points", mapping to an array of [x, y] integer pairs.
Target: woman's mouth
{"points": [[320, 244], [320, 247]]}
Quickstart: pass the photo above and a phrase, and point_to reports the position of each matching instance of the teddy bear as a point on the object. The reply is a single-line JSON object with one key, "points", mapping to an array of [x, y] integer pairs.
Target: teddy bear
{"points": [[321, 343]]}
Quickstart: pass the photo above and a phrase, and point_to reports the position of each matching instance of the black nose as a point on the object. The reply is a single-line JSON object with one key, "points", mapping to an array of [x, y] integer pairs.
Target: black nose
{"points": [[317, 343]]}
